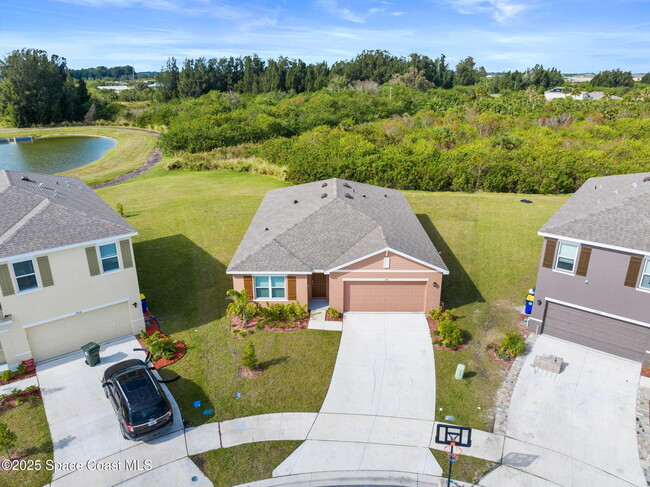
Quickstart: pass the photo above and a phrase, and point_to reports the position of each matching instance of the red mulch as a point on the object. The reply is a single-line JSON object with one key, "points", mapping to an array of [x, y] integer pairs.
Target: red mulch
{"points": [[491, 352], [645, 371], [10, 402], [433, 329], [328, 317], [236, 324], [248, 373], [151, 327], [17, 377]]}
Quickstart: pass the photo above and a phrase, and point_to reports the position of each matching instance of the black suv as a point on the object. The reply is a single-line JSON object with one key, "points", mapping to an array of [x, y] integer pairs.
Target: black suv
{"points": [[139, 402]]}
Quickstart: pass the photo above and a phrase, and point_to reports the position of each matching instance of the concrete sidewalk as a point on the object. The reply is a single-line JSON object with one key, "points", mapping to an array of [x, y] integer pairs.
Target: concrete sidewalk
{"points": [[19, 384]]}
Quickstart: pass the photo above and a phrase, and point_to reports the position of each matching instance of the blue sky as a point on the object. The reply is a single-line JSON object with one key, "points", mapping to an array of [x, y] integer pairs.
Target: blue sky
{"points": [[573, 35]]}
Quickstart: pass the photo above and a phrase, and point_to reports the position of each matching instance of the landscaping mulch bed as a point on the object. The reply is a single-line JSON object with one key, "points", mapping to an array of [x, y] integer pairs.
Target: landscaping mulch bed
{"points": [[492, 354], [10, 401], [433, 330], [328, 317], [645, 371], [151, 327], [252, 325], [17, 377], [248, 373]]}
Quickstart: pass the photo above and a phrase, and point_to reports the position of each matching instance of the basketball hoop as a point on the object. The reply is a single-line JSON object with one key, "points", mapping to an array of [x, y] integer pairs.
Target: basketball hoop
{"points": [[453, 452]]}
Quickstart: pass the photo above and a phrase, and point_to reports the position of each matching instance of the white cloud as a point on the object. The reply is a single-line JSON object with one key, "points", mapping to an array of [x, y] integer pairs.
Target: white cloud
{"points": [[500, 10], [332, 6], [397, 14]]}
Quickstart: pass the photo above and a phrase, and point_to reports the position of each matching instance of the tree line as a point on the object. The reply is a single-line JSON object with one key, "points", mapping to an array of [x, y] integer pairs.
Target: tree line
{"points": [[102, 72]]}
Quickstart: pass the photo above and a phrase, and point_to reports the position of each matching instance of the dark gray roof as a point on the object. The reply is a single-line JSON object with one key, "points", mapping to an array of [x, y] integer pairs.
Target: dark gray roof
{"points": [[41, 211], [609, 210], [321, 232]]}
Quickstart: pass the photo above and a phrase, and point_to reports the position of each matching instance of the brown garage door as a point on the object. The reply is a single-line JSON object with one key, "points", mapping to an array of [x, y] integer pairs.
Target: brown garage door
{"points": [[384, 295], [67, 335], [600, 332]]}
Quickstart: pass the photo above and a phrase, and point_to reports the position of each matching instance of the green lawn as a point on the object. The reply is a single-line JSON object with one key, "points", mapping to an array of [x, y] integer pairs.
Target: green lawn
{"points": [[132, 149], [468, 469], [490, 244], [33, 443], [190, 224], [244, 463]]}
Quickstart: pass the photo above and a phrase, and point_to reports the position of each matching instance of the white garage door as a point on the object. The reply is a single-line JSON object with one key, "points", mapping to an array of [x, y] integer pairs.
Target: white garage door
{"points": [[67, 335], [384, 295]]}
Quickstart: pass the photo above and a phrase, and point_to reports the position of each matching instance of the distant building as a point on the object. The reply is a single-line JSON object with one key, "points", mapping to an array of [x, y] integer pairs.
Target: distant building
{"points": [[558, 92]]}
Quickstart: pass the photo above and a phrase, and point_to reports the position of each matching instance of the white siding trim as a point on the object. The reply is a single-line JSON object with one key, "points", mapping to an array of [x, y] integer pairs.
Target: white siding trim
{"points": [[595, 311], [593, 244], [372, 279], [22, 354], [71, 246], [68, 315]]}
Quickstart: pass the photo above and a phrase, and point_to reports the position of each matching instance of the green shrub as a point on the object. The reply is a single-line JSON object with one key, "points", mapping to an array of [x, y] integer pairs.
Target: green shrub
{"points": [[22, 369], [15, 392], [440, 314], [143, 334], [334, 313], [31, 388], [259, 327], [7, 375], [21, 400], [7, 439], [450, 334], [240, 305], [161, 346], [278, 314], [120, 209], [250, 358], [512, 345]]}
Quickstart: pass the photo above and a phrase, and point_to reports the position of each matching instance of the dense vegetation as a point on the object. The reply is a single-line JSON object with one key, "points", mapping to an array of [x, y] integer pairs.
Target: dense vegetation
{"points": [[36, 90], [459, 139]]}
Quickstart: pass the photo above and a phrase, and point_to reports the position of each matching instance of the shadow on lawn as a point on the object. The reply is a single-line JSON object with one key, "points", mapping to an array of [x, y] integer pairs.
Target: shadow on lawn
{"points": [[185, 286], [457, 288], [186, 392]]}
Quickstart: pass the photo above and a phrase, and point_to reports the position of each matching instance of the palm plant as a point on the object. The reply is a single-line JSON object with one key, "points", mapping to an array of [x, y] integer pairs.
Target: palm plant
{"points": [[240, 305]]}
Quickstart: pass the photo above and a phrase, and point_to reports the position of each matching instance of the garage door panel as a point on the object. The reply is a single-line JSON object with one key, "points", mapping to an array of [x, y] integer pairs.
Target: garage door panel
{"points": [[68, 334], [596, 331], [384, 296]]}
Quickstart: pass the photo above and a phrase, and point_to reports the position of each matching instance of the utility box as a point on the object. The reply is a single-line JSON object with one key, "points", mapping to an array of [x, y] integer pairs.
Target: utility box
{"points": [[91, 352], [460, 371]]}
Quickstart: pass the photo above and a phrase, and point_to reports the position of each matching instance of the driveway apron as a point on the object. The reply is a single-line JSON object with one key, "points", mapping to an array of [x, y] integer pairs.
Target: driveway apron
{"points": [[575, 428], [380, 407]]}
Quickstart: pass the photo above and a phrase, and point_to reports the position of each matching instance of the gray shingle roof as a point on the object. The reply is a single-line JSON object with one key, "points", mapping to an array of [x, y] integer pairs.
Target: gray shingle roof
{"points": [[323, 232], [609, 210], [64, 211]]}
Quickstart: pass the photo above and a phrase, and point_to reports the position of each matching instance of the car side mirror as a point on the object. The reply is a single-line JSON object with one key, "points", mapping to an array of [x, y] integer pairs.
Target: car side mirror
{"points": [[106, 384]]}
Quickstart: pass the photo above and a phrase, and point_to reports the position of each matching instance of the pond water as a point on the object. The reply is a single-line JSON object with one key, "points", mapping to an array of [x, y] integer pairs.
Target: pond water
{"points": [[52, 155]]}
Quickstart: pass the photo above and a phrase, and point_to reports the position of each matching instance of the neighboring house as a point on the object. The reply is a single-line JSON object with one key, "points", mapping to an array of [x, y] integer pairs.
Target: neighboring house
{"points": [[555, 93], [593, 285], [67, 274], [359, 247]]}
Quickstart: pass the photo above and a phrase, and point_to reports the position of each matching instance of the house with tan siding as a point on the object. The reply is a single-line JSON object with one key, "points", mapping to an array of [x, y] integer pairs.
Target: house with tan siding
{"points": [[593, 283], [67, 272], [357, 246]]}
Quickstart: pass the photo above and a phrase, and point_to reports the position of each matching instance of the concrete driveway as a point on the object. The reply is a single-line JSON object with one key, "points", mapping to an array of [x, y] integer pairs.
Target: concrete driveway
{"points": [[380, 407], [83, 424], [572, 429]]}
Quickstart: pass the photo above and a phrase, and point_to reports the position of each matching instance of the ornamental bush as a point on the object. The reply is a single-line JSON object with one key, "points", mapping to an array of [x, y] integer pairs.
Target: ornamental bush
{"points": [[250, 358], [512, 345], [161, 346], [450, 334]]}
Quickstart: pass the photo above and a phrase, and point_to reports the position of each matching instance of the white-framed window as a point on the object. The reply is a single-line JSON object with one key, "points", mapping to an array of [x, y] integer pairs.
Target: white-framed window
{"points": [[566, 257], [270, 287], [108, 257], [25, 274], [645, 276]]}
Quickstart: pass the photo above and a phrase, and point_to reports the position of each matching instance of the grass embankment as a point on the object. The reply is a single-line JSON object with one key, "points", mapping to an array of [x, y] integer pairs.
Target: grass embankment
{"points": [[244, 463], [189, 226], [468, 469], [490, 244], [33, 444], [132, 149]]}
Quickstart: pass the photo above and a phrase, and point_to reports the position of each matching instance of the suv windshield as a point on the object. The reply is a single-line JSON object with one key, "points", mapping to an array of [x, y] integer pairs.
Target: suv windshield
{"points": [[138, 388]]}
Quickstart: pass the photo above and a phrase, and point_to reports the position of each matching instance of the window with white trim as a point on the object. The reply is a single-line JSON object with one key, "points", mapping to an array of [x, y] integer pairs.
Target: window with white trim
{"points": [[645, 275], [108, 257], [25, 275], [566, 257], [270, 287]]}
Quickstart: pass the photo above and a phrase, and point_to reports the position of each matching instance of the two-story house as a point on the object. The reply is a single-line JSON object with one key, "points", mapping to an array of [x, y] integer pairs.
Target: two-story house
{"points": [[593, 285], [67, 273]]}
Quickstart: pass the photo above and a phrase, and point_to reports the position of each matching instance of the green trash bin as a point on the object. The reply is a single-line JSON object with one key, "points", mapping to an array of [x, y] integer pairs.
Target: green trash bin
{"points": [[91, 352]]}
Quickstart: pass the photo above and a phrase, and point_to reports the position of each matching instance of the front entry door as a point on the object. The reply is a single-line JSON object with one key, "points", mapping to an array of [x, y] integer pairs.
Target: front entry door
{"points": [[318, 286]]}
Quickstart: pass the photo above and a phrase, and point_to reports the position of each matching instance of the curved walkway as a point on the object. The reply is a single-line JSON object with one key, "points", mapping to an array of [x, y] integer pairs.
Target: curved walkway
{"points": [[154, 158]]}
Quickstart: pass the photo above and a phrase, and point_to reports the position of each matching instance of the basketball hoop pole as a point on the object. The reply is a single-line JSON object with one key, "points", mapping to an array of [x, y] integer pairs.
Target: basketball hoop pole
{"points": [[450, 464]]}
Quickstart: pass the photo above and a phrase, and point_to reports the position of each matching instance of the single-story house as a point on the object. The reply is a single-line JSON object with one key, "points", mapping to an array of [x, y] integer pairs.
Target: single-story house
{"points": [[358, 247], [593, 284], [67, 272]]}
